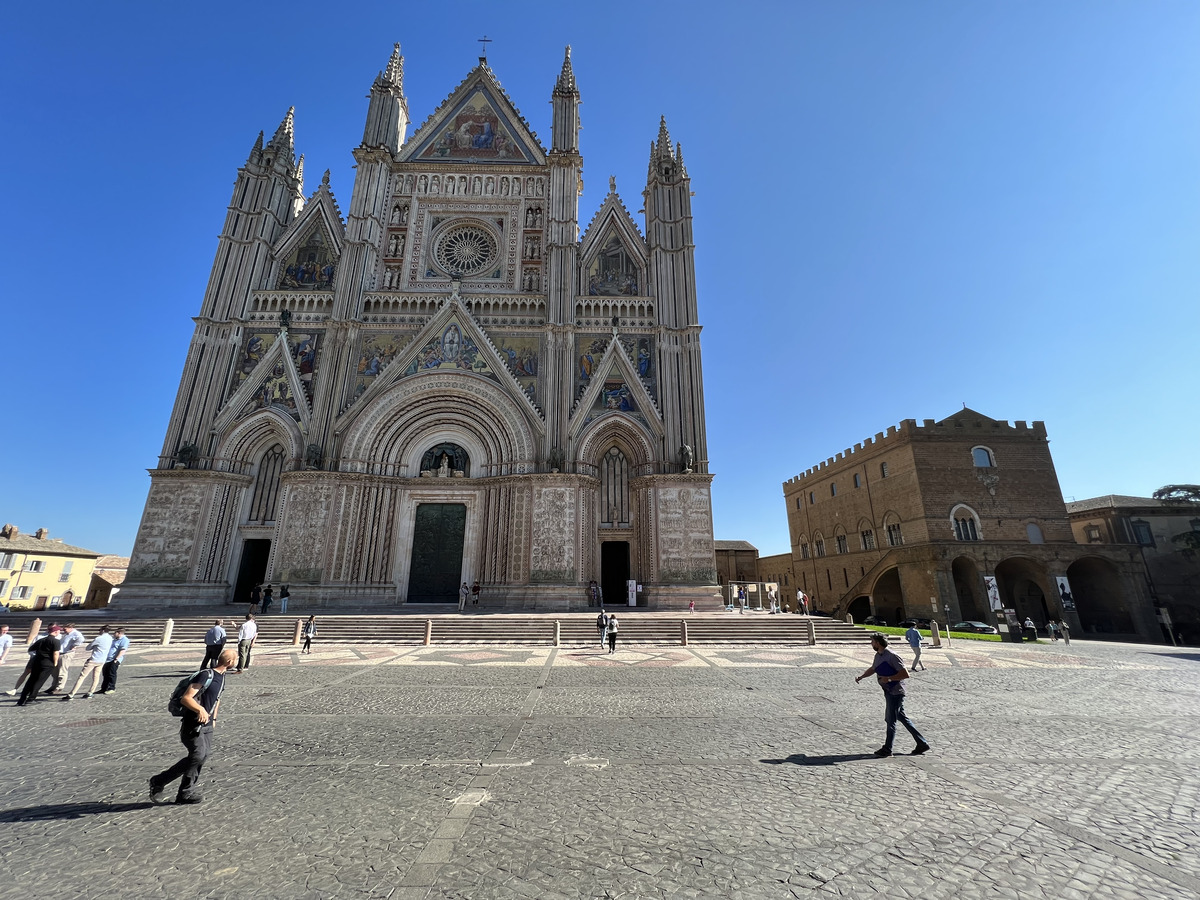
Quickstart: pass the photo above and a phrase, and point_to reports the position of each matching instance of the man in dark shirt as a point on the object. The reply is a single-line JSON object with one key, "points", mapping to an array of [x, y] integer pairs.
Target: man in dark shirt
{"points": [[43, 661], [200, 705], [889, 671]]}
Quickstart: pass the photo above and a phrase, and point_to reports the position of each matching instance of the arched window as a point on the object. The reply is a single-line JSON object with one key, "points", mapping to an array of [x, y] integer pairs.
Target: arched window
{"points": [[891, 525], [805, 552], [1034, 532], [266, 485], [983, 458], [965, 523], [839, 540], [614, 489], [819, 544]]}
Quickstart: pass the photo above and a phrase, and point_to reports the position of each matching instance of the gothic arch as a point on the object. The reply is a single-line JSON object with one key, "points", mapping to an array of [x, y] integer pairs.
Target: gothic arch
{"points": [[389, 436], [965, 523], [244, 442], [622, 432]]}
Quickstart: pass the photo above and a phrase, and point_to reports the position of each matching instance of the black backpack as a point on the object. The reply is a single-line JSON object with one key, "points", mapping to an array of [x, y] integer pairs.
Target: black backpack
{"points": [[602, 621], [175, 705]]}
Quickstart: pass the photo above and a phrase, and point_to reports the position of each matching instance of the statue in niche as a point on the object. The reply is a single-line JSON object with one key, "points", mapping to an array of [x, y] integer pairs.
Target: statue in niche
{"points": [[445, 461], [686, 458], [313, 457], [186, 456], [444, 466], [557, 460], [285, 319]]}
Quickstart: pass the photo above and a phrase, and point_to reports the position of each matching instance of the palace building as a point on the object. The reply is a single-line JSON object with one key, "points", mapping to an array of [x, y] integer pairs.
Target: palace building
{"points": [[448, 384]]}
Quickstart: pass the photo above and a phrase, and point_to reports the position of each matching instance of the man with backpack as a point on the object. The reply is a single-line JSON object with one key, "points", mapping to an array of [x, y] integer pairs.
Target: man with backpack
{"points": [[196, 701], [602, 625]]}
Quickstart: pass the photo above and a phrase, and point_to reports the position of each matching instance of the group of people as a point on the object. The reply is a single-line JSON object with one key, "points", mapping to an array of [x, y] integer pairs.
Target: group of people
{"points": [[465, 593], [263, 595], [1054, 628], [608, 627], [51, 655]]}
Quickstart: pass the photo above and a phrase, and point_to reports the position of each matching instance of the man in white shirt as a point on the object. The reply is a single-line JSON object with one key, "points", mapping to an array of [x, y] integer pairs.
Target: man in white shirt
{"points": [[6, 643], [98, 656], [247, 634], [70, 637], [214, 643]]}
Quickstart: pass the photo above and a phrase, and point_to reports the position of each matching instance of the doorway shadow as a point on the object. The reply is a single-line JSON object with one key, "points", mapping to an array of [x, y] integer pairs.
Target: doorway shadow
{"points": [[52, 811], [803, 759]]}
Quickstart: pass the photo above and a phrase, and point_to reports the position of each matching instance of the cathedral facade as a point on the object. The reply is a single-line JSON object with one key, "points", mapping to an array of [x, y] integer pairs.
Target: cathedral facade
{"points": [[447, 385]]}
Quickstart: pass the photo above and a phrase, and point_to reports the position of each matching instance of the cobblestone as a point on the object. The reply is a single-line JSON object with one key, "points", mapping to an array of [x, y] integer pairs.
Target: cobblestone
{"points": [[518, 772]]}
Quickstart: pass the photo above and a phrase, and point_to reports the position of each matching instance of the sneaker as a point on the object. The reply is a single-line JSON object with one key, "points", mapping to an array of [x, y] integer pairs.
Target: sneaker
{"points": [[10, 693], [87, 696], [156, 791], [66, 697], [188, 801], [920, 748], [883, 751]]}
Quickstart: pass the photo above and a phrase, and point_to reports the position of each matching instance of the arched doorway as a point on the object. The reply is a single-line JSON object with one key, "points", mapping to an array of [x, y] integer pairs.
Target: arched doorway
{"points": [[1020, 582], [1099, 600], [860, 608], [888, 597], [968, 588]]}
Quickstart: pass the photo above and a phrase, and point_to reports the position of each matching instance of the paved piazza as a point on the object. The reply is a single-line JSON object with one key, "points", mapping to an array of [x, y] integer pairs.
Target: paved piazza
{"points": [[511, 772]]}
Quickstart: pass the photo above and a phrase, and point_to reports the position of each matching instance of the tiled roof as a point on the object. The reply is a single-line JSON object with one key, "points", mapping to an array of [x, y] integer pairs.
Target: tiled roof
{"points": [[734, 545], [27, 543], [1111, 501]]}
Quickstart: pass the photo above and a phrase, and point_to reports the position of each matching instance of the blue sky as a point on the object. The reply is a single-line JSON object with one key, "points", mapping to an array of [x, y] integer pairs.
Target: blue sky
{"points": [[900, 207]]}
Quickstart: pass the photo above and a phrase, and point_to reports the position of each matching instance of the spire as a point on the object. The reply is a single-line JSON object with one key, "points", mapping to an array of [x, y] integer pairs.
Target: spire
{"points": [[256, 150], [664, 139], [566, 78], [394, 73], [300, 170], [284, 139]]}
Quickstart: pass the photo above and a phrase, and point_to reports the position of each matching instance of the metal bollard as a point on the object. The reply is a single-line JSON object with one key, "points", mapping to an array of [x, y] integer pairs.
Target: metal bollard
{"points": [[428, 632], [34, 627], [296, 633], [557, 632], [812, 631], [935, 634], [168, 627], [683, 638]]}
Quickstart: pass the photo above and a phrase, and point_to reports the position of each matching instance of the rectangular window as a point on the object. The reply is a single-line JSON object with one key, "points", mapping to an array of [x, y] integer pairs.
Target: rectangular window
{"points": [[799, 503], [893, 534], [1093, 534], [1142, 534], [3, 589], [7, 560], [812, 497], [857, 480], [868, 539], [22, 593], [841, 543], [833, 489], [66, 572], [883, 470], [820, 545], [35, 565]]}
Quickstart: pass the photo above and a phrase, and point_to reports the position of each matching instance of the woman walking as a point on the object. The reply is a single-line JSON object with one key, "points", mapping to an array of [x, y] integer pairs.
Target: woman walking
{"points": [[309, 632], [613, 628]]}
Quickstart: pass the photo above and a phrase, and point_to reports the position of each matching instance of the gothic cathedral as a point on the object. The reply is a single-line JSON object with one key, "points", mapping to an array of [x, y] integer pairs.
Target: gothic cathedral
{"points": [[449, 385]]}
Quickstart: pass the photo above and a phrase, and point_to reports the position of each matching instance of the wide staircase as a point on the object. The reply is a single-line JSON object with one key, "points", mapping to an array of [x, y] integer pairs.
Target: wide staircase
{"points": [[444, 625]]}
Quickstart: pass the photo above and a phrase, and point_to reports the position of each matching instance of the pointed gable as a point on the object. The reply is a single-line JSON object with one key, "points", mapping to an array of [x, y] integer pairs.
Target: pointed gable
{"points": [[282, 373], [617, 391], [612, 252], [966, 415], [476, 124], [309, 248]]}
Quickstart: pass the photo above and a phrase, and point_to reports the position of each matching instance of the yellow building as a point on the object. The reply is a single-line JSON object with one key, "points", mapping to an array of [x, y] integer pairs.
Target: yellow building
{"points": [[37, 572]]}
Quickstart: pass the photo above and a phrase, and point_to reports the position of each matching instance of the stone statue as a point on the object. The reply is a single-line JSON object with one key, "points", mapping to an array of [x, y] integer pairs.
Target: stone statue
{"points": [[285, 319], [186, 456], [557, 460], [312, 457], [686, 458], [444, 466]]}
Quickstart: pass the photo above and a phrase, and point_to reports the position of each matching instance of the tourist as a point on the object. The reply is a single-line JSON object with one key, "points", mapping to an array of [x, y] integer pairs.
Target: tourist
{"points": [[463, 593], [284, 593], [692, 605], [914, 640], [475, 593], [602, 626], [214, 643], [309, 632], [889, 671], [201, 701], [43, 660], [94, 664], [593, 593], [267, 598], [69, 638], [613, 628], [1065, 629], [6, 643], [247, 635], [116, 653], [255, 598], [25, 672]]}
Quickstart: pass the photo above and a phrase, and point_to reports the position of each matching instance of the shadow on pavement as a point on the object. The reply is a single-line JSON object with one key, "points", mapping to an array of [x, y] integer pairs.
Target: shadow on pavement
{"points": [[1190, 657], [802, 759], [68, 811]]}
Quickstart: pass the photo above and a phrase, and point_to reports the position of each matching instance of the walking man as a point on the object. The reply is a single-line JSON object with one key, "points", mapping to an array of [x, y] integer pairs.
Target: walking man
{"points": [[267, 599], [914, 640], [247, 635], [94, 665], [889, 671], [43, 660], [116, 653], [602, 625], [201, 702], [613, 628], [214, 643], [69, 638], [255, 598]]}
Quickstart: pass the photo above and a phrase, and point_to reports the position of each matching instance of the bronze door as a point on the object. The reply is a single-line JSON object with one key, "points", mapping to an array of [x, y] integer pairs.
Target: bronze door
{"points": [[437, 552]]}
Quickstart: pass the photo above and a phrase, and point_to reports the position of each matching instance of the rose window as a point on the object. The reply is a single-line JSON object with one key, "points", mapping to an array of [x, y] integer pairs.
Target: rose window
{"points": [[465, 250]]}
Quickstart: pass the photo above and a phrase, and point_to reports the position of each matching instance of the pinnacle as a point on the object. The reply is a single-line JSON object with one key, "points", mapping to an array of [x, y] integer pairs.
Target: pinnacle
{"points": [[566, 78], [325, 179], [258, 144], [284, 137], [394, 73], [664, 139]]}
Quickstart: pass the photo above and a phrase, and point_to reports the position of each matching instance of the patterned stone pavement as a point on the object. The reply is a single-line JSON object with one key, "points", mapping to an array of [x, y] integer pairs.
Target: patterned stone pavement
{"points": [[514, 772]]}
